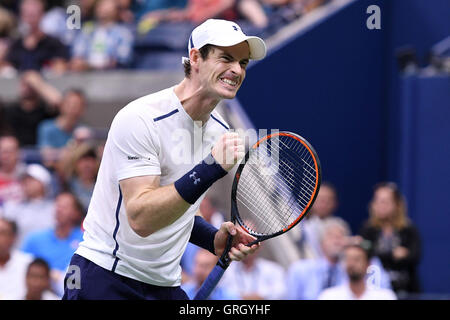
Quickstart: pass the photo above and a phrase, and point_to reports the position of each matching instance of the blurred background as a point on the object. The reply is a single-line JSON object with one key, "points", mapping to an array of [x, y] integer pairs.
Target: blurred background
{"points": [[370, 89]]}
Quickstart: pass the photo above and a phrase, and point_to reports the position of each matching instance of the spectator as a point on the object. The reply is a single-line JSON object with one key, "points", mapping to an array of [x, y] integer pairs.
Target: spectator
{"points": [[57, 245], [307, 278], [38, 282], [323, 209], [54, 134], [13, 263], [146, 9], [192, 11], [356, 262], [38, 101], [204, 263], [35, 212], [79, 168], [11, 168], [255, 278], [35, 50], [7, 27], [395, 240], [104, 44]]}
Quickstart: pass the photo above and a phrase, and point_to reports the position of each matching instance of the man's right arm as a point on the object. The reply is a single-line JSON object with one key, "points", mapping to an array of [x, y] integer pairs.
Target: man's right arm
{"points": [[151, 207]]}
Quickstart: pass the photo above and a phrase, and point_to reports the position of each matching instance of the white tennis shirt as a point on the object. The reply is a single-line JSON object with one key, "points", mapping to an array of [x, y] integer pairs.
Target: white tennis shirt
{"points": [[152, 135]]}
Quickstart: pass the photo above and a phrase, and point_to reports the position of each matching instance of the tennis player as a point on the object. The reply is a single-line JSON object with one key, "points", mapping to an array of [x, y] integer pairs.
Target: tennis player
{"points": [[143, 210]]}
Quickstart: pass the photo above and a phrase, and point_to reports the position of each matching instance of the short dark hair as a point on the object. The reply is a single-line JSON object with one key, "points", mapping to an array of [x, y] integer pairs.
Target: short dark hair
{"points": [[204, 52], [77, 91], [40, 263], [364, 246], [12, 224]]}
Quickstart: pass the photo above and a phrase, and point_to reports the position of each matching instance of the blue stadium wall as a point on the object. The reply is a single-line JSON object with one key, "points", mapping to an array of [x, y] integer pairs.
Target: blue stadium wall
{"points": [[337, 84]]}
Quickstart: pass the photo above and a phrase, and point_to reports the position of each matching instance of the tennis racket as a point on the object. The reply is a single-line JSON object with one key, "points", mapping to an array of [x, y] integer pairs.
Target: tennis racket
{"points": [[274, 187]]}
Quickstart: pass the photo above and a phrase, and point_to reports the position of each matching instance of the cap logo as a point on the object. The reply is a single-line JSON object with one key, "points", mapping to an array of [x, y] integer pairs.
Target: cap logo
{"points": [[235, 28]]}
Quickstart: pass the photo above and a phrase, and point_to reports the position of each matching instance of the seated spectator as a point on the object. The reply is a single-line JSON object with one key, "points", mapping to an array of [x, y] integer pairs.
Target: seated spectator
{"points": [[192, 11], [54, 134], [356, 262], [35, 50], [11, 169], [7, 27], [204, 263], [79, 168], [395, 240], [104, 44], [323, 209], [35, 212], [142, 9], [38, 282], [307, 278], [38, 101], [256, 278], [56, 245], [13, 263]]}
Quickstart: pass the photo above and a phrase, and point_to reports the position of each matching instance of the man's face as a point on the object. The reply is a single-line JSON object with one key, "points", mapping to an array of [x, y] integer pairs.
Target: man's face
{"points": [[9, 152], [7, 237], [106, 10], [31, 12], [333, 241], [356, 264], [32, 187], [65, 210], [223, 71], [37, 279], [325, 203], [73, 105]]}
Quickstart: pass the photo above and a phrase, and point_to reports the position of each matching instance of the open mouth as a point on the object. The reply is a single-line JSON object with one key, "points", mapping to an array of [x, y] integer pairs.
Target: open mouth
{"points": [[230, 82]]}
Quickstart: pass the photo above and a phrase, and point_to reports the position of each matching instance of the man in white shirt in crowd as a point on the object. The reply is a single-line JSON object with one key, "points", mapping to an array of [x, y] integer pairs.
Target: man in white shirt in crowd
{"points": [[356, 262], [256, 278], [13, 263], [35, 212]]}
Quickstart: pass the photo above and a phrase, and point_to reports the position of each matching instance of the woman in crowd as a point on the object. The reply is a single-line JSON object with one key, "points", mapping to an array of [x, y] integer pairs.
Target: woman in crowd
{"points": [[394, 238]]}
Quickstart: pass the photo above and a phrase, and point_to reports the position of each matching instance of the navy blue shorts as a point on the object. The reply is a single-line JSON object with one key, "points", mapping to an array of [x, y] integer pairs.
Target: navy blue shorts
{"points": [[97, 283]]}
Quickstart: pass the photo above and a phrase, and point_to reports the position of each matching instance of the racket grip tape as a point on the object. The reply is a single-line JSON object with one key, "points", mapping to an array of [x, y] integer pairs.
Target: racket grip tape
{"points": [[210, 283]]}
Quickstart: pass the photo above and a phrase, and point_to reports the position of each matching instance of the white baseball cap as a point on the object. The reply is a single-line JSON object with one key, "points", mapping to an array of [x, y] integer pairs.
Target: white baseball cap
{"points": [[224, 33], [38, 172]]}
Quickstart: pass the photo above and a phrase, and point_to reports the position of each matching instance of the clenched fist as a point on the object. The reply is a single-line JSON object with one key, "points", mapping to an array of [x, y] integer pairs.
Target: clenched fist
{"points": [[229, 150]]}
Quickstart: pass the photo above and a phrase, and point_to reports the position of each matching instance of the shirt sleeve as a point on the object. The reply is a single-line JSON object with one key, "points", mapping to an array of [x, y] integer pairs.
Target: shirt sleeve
{"points": [[134, 146]]}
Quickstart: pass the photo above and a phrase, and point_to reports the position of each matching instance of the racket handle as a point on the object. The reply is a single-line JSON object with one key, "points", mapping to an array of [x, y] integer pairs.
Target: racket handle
{"points": [[210, 283]]}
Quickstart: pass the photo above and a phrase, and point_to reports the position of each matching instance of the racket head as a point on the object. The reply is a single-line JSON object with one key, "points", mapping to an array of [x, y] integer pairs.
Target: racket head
{"points": [[296, 180]]}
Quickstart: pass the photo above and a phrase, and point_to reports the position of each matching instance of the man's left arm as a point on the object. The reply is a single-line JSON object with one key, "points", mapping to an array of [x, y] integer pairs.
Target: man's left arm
{"points": [[210, 238]]}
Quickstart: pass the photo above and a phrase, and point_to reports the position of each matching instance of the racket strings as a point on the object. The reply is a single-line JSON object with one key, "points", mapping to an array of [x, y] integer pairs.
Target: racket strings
{"points": [[275, 185]]}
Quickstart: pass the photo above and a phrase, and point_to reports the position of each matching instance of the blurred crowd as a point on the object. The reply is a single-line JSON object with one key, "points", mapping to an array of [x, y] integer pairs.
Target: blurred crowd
{"points": [[60, 36], [42, 209], [49, 162]]}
